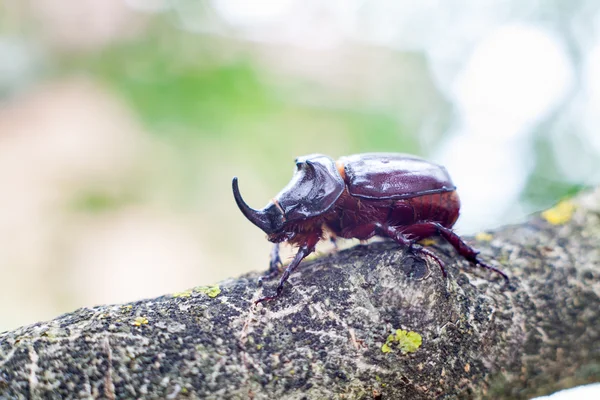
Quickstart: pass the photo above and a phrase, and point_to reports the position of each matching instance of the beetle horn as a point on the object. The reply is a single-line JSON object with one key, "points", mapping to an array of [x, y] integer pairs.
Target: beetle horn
{"points": [[257, 217]]}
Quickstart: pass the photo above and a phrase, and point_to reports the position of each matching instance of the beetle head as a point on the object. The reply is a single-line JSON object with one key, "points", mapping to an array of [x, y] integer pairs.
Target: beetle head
{"points": [[313, 190]]}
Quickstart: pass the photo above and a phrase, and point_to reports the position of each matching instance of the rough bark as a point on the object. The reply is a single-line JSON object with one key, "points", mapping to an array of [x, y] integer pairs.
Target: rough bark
{"points": [[323, 338]]}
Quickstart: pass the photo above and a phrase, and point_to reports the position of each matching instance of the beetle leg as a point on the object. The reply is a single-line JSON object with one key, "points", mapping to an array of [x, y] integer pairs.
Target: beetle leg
{"points": [[392, 232], [467, 251], [274, 265], [333, 240], [462, 248], [400, 238], [477, 261], [303, 251], [420, 249]]}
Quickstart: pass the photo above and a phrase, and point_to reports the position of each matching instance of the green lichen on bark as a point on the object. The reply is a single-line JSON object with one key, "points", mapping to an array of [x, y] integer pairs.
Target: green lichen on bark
{"points": [[323, 337]]}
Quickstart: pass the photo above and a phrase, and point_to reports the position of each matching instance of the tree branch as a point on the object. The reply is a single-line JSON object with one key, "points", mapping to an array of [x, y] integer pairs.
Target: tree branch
{"points": [[328, 336]]}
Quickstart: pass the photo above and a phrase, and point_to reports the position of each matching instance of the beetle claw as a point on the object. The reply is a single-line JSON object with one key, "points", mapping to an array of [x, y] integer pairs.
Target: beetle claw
{"points": [[303, 251], [478, 261], [267, 298], [416, 248], [277, 292]]}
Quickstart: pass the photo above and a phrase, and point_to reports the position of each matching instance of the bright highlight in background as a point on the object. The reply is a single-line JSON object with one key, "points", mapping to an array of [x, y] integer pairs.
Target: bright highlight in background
{"points": [[514, 78], [252, 12]]}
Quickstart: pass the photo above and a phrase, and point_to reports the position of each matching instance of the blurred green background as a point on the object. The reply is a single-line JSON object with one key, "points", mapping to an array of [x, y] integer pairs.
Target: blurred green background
{"points": [[122, 123]]}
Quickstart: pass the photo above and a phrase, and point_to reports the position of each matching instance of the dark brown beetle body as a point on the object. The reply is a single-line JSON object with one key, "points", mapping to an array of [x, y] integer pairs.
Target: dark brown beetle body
{"points": [[386, 194]]}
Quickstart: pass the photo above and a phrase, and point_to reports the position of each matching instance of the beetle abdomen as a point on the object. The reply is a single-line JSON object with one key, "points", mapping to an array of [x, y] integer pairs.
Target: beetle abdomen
{"points": [[393, 176], [438, 207]]}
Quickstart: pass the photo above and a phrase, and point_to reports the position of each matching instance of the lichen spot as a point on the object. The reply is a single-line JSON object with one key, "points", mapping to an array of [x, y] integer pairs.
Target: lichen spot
{"points": [[210, 291], [187, 293], [386, 347], [483, 237], [409, 342], [139, 321], [559, 214], [406, 341]]}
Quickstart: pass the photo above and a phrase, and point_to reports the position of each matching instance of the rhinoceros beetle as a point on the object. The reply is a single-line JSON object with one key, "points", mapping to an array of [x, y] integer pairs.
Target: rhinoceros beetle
{"points": [[393, 195]]}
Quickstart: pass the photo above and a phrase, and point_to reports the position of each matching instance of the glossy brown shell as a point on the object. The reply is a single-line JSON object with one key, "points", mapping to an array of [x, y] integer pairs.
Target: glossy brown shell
{"points": [[382, 176]]}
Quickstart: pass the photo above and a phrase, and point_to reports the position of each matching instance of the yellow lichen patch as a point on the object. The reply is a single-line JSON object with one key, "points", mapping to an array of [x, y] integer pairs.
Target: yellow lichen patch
{"points": [[483, 237], [210, 291], [407, 341], [560, 213], [139, 321], [427, 242], [126, 308], [187, 293], [386, 348]]}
